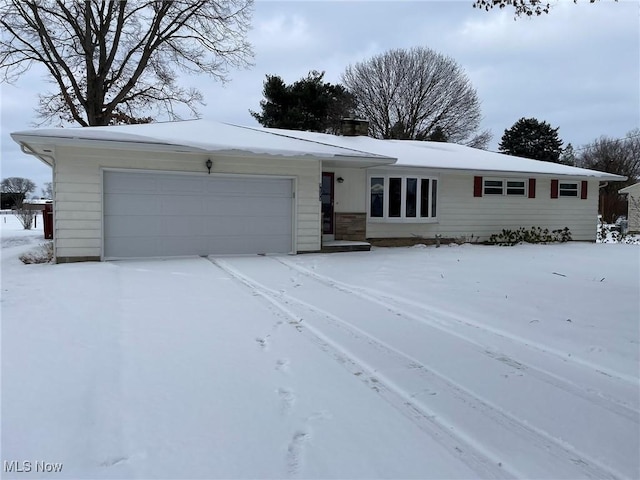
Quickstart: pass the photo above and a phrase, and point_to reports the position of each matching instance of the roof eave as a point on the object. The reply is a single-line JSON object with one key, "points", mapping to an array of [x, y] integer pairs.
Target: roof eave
{"points": [[44, 144], [603, 176]]}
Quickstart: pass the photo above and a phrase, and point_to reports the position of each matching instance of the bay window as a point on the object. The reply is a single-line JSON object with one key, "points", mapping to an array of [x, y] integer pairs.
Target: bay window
{"points": [[403, 198]]}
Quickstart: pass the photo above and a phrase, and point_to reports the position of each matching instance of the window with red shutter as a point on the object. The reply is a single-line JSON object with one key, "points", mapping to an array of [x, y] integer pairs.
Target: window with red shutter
{"points": [[477, 186], [532, 188]]}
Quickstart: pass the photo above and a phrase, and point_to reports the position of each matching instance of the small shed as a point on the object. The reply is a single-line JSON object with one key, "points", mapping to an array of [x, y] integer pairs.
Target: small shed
{"points": [[633, 212]]}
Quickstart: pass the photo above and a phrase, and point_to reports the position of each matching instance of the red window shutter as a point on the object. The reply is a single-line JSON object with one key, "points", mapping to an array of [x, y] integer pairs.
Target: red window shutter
{"points": [[532, 188], [477, 186], [554, 188], [583, 190]]}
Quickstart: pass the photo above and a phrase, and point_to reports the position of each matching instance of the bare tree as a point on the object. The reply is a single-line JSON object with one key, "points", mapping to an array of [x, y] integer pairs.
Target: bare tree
{"points": [[47, 190], [613, 155], [408, 94], [528, 8], [116, 61], [16, 189]]}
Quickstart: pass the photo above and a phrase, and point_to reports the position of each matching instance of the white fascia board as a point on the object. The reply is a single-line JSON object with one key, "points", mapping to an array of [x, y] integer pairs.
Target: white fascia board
{"points": [[514, 173], [46, 144], [51, 141]]}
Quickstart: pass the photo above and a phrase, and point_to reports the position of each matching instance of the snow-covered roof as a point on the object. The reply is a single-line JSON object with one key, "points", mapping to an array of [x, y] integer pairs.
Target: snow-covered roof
{"points": [[445, 156], [208, 136], [199, 135], [630, 188]]}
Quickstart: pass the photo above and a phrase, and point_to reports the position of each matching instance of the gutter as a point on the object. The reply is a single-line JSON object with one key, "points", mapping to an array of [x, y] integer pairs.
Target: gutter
{"points": [[593, 175], [26, 149]]}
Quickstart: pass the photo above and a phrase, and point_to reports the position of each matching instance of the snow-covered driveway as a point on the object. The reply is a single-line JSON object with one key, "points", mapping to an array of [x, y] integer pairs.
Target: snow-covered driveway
{"points": [[488, 396], [365, 365]]}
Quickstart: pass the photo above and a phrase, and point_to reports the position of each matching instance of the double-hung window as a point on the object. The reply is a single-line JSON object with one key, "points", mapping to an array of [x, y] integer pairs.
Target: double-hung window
{"points": [[501, 186], [403, 198], [568, 189]]}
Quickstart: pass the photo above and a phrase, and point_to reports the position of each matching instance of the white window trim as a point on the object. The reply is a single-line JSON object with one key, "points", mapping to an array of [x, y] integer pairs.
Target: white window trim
{"points": [[385, 204], [505, 187], [578, 189]]}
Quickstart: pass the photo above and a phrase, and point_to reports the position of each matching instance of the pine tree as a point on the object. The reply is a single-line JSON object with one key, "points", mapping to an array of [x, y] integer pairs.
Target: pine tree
{"points": [[568, 156], [438, 135], [309, 104], [531, 138]]}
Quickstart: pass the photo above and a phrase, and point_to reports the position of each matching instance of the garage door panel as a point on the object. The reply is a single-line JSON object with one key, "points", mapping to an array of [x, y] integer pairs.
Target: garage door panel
{"points": [[220, 225], [179, 184], [178, 245], [170, 224], [134, 225], [126, 248], [181, 205], [119, 182], [241, 244], [154, 214], [132, 204], [258, 207], [252, 186]]}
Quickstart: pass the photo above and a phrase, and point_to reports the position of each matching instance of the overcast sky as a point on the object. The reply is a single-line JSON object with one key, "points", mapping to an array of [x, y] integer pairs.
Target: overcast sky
{"points": [[577, 68]]}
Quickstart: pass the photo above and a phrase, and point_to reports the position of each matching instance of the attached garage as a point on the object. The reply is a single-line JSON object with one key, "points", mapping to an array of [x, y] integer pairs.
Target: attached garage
{"points": [[206, 188], [155, 214]]}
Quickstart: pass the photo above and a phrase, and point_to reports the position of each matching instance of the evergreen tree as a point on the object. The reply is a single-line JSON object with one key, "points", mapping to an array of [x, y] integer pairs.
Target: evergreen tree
{"points": [[568, 156], [309, 104], [438, 135], [531, 138]]}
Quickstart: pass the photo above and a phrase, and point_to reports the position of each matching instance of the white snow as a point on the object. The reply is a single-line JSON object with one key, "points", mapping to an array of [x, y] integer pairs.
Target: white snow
{"points": [[445, 156], [209, 136], [453, 362], [196, 135]]}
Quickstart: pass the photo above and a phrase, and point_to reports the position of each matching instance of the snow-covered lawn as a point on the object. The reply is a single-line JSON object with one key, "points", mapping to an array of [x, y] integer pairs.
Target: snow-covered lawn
{"points": [[453, 362]]}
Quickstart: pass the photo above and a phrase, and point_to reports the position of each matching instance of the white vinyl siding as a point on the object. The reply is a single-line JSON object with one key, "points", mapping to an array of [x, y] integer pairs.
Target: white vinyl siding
{"points": [[461, 214], [350, 195], [633, 211], [78, 190]]}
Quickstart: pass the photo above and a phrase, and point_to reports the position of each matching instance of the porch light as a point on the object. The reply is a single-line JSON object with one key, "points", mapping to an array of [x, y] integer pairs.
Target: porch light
{"points": [[209, 164], [340, 180]]}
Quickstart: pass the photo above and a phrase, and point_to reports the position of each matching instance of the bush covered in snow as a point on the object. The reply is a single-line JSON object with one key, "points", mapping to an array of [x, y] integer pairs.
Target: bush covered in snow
{"points": [[608, 233], [41, 254], [534, 235], [26, 216]]}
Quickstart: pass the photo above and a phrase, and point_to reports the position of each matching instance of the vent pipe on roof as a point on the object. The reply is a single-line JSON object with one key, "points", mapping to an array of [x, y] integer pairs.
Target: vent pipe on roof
{"points": [[353, 127]]}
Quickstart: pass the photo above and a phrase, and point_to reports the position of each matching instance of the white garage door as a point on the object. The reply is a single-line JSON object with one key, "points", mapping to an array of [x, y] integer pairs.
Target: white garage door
{"points": [[157, 214]]}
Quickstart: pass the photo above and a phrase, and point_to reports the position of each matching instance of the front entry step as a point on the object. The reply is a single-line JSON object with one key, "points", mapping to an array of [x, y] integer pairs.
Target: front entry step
{"points": [[345, 246]]}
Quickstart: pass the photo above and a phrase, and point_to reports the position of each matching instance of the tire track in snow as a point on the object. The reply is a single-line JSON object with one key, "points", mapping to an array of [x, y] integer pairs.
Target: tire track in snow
{"points": [[483, 465], [543, 448], [433, 321]]}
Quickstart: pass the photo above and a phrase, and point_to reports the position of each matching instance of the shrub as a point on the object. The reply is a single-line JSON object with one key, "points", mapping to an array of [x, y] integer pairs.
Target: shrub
{"points": [[41, 254], [533, 235], [611, 234], [26, 216]]}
